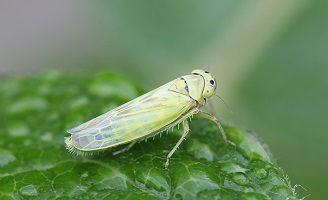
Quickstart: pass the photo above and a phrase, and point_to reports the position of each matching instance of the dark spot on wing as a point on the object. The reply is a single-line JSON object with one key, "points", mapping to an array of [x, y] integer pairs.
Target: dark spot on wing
{"points": [[92, 131], [94, 145], [82, 142], [107, 135], [99, 137]]}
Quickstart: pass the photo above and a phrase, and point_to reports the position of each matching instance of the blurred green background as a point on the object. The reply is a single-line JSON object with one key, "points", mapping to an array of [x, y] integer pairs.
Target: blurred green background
{"points": [[270, 58]]}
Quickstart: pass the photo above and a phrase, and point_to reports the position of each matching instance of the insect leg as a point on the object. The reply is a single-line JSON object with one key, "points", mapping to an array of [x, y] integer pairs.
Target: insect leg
{"points": [[185, 133], [216, 121], [124, 149]]}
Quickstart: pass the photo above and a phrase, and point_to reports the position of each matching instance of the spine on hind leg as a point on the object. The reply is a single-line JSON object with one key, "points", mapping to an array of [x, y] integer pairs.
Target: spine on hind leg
{"points": [[70, 147]]}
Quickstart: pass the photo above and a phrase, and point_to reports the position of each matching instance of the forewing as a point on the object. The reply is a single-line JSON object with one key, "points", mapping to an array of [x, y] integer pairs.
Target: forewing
{"points": [[131, 121]]}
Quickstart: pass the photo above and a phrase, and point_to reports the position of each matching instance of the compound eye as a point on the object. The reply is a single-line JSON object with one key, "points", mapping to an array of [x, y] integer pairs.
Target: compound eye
{"points": [[212, 82]]}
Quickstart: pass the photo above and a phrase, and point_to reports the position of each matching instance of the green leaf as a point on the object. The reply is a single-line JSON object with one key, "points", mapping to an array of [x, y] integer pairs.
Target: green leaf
{"points": [[34, 163]]}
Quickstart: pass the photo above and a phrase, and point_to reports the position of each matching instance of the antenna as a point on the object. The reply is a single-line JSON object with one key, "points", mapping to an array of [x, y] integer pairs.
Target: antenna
{"points": [[228, 107], [209, 65]]}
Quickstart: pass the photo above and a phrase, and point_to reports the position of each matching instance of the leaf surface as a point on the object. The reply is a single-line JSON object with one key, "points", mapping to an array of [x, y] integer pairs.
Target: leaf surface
{"points": [[34, 164]]}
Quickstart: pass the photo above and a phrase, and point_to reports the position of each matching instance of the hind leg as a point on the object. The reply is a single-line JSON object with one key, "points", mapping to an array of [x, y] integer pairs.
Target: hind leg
{"points": [[124, 149]]}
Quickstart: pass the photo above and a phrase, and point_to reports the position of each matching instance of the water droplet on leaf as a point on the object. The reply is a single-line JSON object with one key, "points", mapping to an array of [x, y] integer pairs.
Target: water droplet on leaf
{"points": [[249, 146], [253, 196], [28, 190], [232, 168], [154, 179], [240, 179], [200, 150], [260, 173], [280, 192], [85, 175]]}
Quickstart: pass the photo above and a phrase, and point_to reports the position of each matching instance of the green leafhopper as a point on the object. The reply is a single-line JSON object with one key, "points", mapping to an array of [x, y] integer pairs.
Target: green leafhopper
{"points": [[148, 115]]}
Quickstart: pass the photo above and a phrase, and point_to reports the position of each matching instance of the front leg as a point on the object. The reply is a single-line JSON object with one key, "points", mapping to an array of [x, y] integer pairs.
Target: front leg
{"points": [[216, 121], [185, 133]]}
